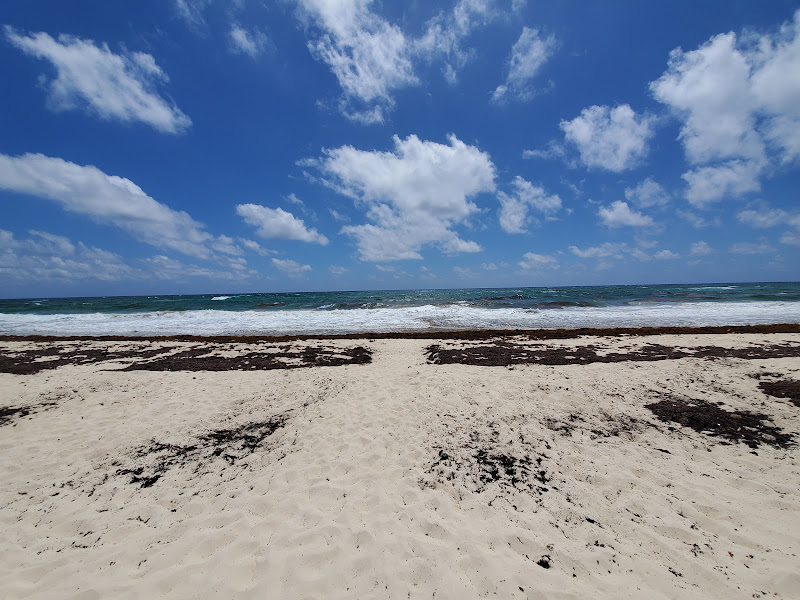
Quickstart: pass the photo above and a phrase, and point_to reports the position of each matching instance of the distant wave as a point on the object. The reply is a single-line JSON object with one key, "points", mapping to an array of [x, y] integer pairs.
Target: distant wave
{"points": [[409, 318], [220, 297]]}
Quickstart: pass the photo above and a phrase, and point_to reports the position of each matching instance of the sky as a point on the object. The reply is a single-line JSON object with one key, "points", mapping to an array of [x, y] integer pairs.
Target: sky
{"points": [[223, 146]]}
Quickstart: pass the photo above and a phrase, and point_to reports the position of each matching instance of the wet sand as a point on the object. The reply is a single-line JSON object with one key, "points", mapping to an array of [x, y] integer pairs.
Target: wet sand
{"points": [[573, 464]]}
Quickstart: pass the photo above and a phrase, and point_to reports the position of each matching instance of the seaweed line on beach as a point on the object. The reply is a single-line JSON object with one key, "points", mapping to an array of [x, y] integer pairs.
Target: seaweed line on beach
{"points": [[502, 353], [203, 359], [710, 419], [229, 444], [172, 358]]}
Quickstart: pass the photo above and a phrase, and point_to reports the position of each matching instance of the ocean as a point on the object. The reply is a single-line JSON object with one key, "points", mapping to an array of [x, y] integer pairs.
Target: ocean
{"points": [[406, 310]]}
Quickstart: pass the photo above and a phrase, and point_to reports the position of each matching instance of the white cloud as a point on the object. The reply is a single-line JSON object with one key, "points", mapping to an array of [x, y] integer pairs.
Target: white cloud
{"points": [[514, 208], [445, 33], [791, 238], [464, 273], [413, 196], [552, 151], [701, 249], [732, 178], [106, 199], [532, 261], [647, 194], [290, 267], [768, 217], [620, 214], [114, 86], [528, 54], [254, 246], [164, 267], [226, 245], [697, 221], [369, 57], [337, 271], [751, 248], [191, 11], [607, 250], [252, 43], [666, 255], [44, 256], [278, 223], [737, 101], [610, 138]]}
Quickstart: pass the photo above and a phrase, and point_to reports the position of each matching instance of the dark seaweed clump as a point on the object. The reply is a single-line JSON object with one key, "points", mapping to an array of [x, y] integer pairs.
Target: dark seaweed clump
{"points": [[787, 388], [740, 426]]}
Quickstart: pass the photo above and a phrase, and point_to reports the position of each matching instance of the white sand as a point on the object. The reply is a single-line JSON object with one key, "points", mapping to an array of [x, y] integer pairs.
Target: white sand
{"points": [[372, 488]]}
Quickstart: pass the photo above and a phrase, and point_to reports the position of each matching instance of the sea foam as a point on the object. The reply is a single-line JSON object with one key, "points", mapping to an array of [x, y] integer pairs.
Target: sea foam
{"points": [[410, 318]]}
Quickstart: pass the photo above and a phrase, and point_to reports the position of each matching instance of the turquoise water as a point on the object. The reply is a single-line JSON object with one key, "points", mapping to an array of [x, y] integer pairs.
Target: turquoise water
{"points": [[403, 310]]}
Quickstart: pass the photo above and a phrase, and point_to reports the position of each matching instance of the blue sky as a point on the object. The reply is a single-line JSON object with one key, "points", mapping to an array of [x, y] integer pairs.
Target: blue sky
{"points": [[202, 146]]}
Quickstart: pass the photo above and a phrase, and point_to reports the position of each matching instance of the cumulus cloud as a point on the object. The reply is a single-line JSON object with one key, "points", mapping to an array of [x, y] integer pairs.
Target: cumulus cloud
{"points": [[619, 214], [733, 178], [533, 261], [413, 195], [337, 270], [118, 87], [647, 194], [106, 199], [666, 255], [369, 57], [290, 267], [610, 138], [528, 55], [278, 223], [251, 42], [737, 102], [700, 248], [44, 256], [514, 207]]}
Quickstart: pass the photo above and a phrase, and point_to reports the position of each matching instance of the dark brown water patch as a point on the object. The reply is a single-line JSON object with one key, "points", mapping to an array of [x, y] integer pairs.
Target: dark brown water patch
{"points": [[786, 388], [709, 419]]}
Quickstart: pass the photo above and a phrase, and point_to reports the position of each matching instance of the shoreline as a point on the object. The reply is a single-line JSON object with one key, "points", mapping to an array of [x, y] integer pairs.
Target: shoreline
{"points": [[469, 334]]}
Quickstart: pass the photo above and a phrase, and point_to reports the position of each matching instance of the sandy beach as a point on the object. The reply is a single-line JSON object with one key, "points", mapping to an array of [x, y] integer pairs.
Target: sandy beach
{"points": [[649, 464]]}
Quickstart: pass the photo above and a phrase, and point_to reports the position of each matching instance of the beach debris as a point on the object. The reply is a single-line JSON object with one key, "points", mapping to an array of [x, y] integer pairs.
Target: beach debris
{"points": [[500, 353], [9, 414], [710, 419], [478, 461], [207, 356], [231, 444], [51, 356], [786, 388]]}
